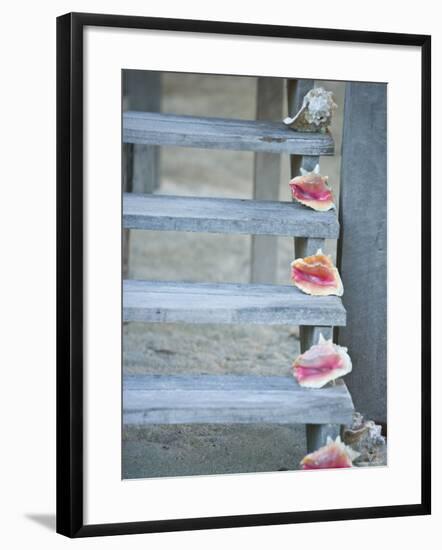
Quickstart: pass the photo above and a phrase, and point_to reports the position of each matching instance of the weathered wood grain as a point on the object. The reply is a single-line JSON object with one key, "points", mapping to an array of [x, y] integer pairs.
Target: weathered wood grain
{"points": [[213, 215], [363, 211], [228, 303], [218, 133], [181, 399]]}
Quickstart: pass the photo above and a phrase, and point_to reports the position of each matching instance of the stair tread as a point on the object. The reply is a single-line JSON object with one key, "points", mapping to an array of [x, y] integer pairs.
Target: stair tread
{"points": [[227, 303], [219, 133], [222, 215], [176, 399]]}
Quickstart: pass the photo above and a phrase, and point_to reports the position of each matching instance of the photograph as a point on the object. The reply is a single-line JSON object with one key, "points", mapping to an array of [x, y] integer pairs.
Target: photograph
{"points": [[254, 274]]}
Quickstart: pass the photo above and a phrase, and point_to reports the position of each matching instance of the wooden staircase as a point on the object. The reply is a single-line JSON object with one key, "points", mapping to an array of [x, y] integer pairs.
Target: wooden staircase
{"points": [[232, 399]]}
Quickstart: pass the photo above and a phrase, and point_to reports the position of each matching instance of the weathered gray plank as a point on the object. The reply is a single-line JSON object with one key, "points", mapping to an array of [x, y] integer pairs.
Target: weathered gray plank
{"points": [[218, 133], [156, 399], [363, 211], [228, 303], [213, 215], [266, 176]]}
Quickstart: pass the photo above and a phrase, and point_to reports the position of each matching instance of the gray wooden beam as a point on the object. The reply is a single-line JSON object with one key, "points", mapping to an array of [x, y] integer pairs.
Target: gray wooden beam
{"points": [[157, 399], [219, 133], [228, 303], [362, 249], [267, 173], [214, 215], [316, 433]]}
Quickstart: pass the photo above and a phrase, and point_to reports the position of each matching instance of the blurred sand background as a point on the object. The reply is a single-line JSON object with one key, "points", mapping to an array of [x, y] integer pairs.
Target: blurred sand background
{"points": [[216, 349]]}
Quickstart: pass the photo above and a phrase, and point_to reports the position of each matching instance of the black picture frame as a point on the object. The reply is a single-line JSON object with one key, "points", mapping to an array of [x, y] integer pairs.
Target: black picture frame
{"points": [[70, 273]]}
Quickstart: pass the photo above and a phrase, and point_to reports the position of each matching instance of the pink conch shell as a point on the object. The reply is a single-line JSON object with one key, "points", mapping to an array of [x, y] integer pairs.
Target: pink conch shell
{"points": [[333, 455], [311, 189], [317, 275], [321, 363]]}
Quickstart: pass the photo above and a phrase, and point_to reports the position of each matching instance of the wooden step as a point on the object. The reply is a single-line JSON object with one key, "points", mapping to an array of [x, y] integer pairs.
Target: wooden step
{"points": [[220, 133], [182, 399], [213, 215], [228, 303]]}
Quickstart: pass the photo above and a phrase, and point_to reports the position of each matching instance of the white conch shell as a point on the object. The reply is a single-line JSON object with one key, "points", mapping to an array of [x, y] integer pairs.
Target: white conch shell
{"points": [[315, 113], [321, 363]]}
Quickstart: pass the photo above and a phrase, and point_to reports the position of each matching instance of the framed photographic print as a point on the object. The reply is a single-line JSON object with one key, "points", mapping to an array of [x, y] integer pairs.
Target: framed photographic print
{"points": [[243, 274]]}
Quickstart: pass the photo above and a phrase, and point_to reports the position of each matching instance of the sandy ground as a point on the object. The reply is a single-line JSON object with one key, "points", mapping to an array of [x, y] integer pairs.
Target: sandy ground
{"points": [[216, 349]]}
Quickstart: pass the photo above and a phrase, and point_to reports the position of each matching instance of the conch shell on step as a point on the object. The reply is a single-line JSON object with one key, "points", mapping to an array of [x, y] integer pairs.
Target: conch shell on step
{"points": [[321, 364], [315, 113], [316, 275], [334, 454], [311, 189]]}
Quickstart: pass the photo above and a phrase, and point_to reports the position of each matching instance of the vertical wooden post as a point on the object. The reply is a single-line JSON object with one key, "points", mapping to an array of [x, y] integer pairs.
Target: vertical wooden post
{"points": [[362, 248], [308, 336], [316, 433], [142, 92], [267, 172], [127, 183], [296, 90]]}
